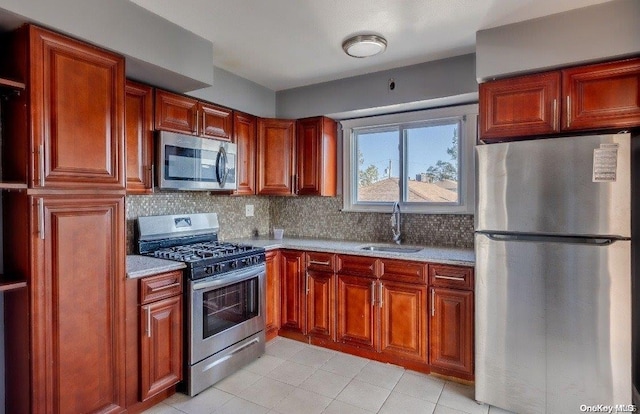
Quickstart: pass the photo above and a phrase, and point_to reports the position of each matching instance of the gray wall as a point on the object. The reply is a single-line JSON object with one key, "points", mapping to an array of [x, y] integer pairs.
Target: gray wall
{"points": [[161, 51], [604, 31], [437, 83], [239, 93]]}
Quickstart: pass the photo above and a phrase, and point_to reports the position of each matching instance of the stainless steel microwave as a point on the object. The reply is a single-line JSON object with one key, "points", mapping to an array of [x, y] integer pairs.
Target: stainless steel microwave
{"points": [[199, 164]]}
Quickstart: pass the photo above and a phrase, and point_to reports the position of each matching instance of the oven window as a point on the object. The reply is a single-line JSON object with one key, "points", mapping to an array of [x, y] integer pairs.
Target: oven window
{"points": [[228, 306]]}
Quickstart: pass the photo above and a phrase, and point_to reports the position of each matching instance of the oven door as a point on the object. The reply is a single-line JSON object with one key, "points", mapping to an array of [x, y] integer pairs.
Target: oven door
{"points": [[225, 310], [193, 163]]}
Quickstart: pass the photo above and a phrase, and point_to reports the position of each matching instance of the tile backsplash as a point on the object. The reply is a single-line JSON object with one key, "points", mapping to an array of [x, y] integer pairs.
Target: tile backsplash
{"points": [[230, 209], [303, 216], [321, 217]]}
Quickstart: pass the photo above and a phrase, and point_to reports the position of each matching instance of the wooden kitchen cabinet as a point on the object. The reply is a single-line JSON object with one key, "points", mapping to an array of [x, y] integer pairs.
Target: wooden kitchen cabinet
{"points": [[356, 319], [139, 137], [272, 305], [452, 319], [292, 294], [316, 156], [276, 157], [69, 128], [591, 97], [403, 320], [182, 114], [68, 353], [244, 130], [605, 95], [519, 107], [176, 113], [217, 122], [320, 295]]}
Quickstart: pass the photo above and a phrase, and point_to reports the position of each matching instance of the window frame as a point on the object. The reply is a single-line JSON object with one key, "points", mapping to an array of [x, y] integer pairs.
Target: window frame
{"points": [[467, 114]]}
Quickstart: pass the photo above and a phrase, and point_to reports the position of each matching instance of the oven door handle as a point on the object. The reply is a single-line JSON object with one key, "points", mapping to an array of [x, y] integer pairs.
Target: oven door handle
{"points": [[228, 279]]}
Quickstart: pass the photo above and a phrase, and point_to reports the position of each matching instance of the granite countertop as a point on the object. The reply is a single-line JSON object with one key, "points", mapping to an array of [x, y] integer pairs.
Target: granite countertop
{"points": [[141, 266], [433, 254]]}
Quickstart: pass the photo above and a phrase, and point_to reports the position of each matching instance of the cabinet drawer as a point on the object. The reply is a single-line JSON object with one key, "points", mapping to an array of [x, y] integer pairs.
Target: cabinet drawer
{"points": [[403, 271], [451, 276], [161, 286], [321, 262], [358, 265]]}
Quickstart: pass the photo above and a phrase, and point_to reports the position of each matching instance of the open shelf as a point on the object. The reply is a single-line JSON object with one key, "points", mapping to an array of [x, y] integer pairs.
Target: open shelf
{"points": [[13, 186], [6, 285], [10, 84]]}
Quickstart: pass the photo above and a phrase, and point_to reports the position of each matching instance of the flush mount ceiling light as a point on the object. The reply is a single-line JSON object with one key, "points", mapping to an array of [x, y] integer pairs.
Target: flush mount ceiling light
{"points": [[362, 46]]}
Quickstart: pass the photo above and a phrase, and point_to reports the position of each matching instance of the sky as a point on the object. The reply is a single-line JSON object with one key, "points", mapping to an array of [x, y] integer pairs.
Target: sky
{"points": [[426, 146]]}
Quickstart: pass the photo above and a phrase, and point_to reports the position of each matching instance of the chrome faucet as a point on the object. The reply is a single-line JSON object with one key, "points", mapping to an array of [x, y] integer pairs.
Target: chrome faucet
{"points": [[395, 222]]}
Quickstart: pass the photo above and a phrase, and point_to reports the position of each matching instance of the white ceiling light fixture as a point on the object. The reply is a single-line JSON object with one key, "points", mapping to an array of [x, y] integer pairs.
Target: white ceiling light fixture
{"points": [[362, 46]]}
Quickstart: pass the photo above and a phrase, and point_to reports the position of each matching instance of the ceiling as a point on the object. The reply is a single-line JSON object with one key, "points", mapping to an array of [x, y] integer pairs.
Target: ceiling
{"points": [[283, 44]]}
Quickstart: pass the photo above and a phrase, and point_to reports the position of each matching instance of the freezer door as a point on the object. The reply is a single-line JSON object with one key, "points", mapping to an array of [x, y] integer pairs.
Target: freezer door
{"points": [[547, 186], [553, 324]]}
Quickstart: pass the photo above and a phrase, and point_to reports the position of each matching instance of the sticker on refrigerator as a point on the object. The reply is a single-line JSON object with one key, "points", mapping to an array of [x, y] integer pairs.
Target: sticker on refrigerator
{"points": [[605, 163]]}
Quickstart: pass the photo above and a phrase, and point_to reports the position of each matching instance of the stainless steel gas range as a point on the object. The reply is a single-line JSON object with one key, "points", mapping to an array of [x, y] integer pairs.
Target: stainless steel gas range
{"points": [[225, 294]]}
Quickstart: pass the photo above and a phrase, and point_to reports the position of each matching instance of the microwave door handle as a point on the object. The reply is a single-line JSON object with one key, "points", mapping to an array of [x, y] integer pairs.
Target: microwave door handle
{"points": [[221, 167]]}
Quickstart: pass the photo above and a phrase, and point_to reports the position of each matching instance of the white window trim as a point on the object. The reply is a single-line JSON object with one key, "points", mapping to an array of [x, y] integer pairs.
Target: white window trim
{"points": [[467, 165]]}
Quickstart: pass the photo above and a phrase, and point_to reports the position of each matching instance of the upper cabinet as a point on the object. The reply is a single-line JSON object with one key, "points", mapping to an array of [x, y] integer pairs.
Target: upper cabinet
{"points": [[139, 137], [526, 105], [276, 156], [179, 113], [75, 115], [600, 96], [244, 129], [316, 142], [296, 157]]}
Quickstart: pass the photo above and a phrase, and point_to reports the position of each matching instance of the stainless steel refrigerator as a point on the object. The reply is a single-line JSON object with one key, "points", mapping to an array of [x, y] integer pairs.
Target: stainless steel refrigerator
{"points": [[553, 274]]}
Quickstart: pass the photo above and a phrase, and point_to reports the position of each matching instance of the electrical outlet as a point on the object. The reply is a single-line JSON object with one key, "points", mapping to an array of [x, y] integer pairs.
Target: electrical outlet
{"points": [[248, 210]]}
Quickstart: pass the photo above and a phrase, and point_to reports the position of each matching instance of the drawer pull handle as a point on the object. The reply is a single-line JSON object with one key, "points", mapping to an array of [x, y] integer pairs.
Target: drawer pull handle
{"points": [[177, 284], [314, 262], [456, 278]]}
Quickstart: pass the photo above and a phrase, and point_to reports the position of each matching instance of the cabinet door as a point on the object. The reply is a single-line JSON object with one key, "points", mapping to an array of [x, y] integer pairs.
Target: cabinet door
{"points": [[77, 300], [160, 346], [139, 137], [356, 316], [244, 129], [602, 96], [320, 304], [451, 332], [292, 291], [316, 158], [215, 122], [272, 308], [176, 113], [403, 320], [518, 107], [276, 157], [77, 113]]}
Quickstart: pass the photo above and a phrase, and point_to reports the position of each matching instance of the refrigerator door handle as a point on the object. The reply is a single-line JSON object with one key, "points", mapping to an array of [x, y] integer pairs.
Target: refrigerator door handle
{"points": [[598, 241]]}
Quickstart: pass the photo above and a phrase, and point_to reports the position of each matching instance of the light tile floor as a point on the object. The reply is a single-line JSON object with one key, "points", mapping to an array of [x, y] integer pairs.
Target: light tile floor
{"points": [[293, 377]]}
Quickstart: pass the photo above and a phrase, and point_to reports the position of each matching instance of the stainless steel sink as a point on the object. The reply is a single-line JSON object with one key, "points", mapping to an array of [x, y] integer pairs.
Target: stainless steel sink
{"points": [[391, 249]]}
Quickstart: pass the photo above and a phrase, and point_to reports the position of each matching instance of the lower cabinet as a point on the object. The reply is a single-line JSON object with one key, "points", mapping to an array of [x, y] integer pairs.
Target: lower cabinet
{"points": [[272, 305], [160, 346], [409, 313], [452, 330], [154, 338], [292, 293]]}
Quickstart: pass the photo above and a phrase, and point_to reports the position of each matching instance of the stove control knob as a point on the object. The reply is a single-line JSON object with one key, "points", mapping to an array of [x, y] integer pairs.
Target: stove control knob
{"points": [[233, 264], [217, 267], [208, 270], [255, 259]]}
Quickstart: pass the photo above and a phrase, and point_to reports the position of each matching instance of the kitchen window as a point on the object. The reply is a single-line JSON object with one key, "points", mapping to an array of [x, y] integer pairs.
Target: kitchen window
{"points": [[422, 159]]}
